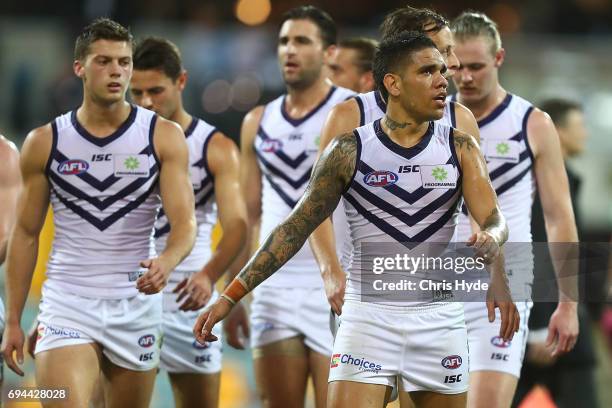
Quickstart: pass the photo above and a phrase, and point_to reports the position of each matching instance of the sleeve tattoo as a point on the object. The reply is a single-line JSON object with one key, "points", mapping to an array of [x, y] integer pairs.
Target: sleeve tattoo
{"points": [[331, 175]]}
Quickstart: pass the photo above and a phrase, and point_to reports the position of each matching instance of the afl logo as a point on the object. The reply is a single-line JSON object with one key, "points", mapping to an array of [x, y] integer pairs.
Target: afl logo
{"points": [[199, 346], [146, 341], [452, 362], [75, 166], [271, 145], [499, 342], [380, 178]]}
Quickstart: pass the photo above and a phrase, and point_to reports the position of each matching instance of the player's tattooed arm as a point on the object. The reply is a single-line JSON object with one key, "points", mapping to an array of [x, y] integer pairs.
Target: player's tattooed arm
{"points": [[479, 195], [332, 173]]}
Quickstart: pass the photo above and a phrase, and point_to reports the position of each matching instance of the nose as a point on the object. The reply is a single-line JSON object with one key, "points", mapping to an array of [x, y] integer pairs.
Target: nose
{"points": [[465, 75], [146, 101]]}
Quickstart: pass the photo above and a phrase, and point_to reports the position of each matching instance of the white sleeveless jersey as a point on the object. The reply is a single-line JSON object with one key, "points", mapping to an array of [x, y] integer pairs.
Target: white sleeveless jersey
{"points": [[104, 193], [503, 135], [401, 195], [198, 135], [372, 106], [286, 149]]}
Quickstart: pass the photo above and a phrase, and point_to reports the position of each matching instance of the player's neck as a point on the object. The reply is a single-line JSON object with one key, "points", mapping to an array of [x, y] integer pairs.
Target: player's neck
{"points": [[101, 119], [481, 109], [403, 128], [182, 118], [301, 101]]}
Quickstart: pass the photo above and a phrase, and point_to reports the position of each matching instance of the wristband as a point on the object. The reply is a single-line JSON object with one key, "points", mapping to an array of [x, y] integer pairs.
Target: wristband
{"points": [[235, 291]]}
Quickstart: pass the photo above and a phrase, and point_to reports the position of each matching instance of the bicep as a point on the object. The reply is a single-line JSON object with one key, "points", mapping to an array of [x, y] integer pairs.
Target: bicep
{"points": [[479, 195], [250, 174], [175, 186], [226, 171], [466, 122], [10, 185], [343, 118]]}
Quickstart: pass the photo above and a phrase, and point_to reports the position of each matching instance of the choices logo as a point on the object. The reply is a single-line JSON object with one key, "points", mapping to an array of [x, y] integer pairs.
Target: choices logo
{"points": [[497, 341], [380, 178], [361, 363], [73, 167], [452, 362], [146, 341], [58, 331], [131, 163]]}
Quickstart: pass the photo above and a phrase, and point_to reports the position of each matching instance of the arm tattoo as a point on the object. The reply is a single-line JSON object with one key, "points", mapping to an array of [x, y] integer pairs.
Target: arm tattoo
{"points": [[461, 140], [332, 173], [391, 124]]}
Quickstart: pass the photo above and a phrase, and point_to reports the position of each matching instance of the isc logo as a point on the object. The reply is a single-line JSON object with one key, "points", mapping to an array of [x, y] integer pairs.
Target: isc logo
{"points": [[73, 167], [450, 379], [102, 157], [452, 362], [203, 359], [380, 178], [415, 168], [146, 356], [147, 340], [500, 356]]}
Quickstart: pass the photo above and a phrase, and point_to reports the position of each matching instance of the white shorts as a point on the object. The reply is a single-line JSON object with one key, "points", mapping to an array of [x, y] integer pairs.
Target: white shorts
{"points": [[282, 313], [488, 351], [180, 352], [129, 330], [425, 346]]}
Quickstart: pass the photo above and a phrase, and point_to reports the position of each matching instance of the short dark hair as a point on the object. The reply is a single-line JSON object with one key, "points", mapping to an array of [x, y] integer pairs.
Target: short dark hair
{"points": [[325, 23], [100, 29], [160, 54], [394, 52], [558, 109], [409, 18], [365, 48]]}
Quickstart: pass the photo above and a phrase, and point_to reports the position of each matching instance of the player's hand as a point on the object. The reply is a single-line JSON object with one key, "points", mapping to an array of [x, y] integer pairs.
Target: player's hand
{"points": [[563, 328], [540, 354], [196, 290], [207, 320], [236, 327], [32, 338], [498, 296], [334, 282], [12, 341], [156, 278], [485, 245]]}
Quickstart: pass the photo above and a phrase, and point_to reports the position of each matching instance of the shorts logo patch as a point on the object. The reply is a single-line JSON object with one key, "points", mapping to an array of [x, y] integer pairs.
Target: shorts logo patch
{"points": [[360, 362], [335, 361], [146, 341], [497, 341], [452, 362], [199, 346], [58, 331]]}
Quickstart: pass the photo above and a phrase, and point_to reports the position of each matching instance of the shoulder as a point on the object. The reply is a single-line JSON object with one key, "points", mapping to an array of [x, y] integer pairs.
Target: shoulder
{"points": [[222, 152], [168, 137], [250, 125], [8, 150], [220, 144], [253, 117], [37, 147], [541, 132], [466, 121], [464, 141]]}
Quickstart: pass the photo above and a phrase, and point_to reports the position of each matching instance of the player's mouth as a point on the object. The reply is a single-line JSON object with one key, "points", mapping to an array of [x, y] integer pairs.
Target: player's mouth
{"points": [[440, 99], [291, 66], [114, 87], [467, 90]]}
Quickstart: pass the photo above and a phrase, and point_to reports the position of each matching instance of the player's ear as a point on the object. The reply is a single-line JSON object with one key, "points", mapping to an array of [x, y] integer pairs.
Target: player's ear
{"points": [[78, 68], [500, 55], [329, 53], [392, 84], [182, 80]]}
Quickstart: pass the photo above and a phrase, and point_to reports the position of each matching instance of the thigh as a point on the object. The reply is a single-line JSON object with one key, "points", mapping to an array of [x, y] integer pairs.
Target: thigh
{"points": [[195, 390], [319, 370], [281, 373], [427, 399], [491, 389], [127, 388], [75, 368], [352, 394]]}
